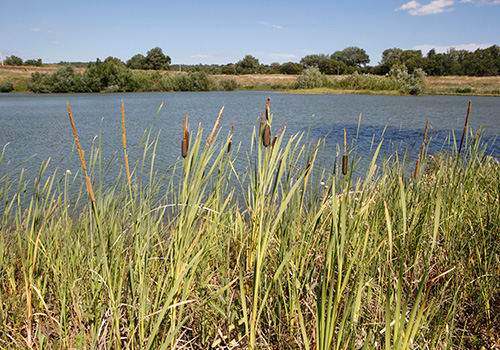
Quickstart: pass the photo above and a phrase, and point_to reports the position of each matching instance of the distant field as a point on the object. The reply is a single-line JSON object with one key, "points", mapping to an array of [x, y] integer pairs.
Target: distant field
{"points": [[434, 85]]}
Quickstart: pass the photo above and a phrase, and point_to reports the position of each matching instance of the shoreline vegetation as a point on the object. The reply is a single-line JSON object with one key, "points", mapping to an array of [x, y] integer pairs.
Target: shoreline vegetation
{"points": [[44, 79], [296, 257]]}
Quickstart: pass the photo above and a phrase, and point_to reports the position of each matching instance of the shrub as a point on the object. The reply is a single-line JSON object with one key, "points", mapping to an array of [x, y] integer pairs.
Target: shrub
{"points": [[228, 84], [6, 86], [310, 78]]}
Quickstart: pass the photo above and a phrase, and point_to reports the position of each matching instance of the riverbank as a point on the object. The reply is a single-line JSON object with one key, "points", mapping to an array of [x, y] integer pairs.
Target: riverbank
{"points": [[449, 85]]}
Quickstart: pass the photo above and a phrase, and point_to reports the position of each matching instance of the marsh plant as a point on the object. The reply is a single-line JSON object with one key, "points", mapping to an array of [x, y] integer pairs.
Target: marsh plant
{"points": [[293, 257]]}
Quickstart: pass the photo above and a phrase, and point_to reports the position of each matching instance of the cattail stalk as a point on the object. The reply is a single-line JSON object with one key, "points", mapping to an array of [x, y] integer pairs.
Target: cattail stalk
{"points": [[125, 144], [214, 130], [465, 128], [230, 140], [344, 158], [80, 153], [185, 137], [422, 150], [266, 137]]}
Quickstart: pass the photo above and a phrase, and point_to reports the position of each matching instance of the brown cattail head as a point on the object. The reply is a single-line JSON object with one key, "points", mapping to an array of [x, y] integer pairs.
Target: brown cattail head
{"points": [[344, 164], [268, 108], [266, 137], [230, 140], [185, 137]]}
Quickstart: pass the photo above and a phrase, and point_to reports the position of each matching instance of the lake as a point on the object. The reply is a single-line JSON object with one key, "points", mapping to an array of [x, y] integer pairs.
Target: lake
{"points": [[38, 126]]}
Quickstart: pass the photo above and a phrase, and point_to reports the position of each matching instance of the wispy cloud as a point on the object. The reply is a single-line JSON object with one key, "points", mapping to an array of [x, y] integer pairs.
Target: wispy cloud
{"points": [[482, 2], [446, 48], [275, 26], [39, 30], [415, 8], [282, 55], [201, 56]]}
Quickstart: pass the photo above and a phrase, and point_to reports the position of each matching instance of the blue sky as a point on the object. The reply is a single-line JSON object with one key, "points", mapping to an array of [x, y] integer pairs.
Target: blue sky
{"points": [[220, 31]]}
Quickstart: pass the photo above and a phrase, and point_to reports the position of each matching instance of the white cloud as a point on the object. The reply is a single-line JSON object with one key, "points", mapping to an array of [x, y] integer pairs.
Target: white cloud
{"points": [[482, 2], [446, 48], [415, 8], [201, 56], [271, 25], [38, 30]]}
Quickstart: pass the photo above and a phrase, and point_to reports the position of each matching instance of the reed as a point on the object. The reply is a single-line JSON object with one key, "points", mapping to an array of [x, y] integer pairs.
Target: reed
{"points": [[293, 257]]}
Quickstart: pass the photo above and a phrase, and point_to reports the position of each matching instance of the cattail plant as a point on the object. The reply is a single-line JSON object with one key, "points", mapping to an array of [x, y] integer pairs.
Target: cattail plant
{"points": [[344, 158], [421, 157], [80, 153], [185, 137], [214, 130], [230, 140], [125, 144], [266, 135], [465, 128]]}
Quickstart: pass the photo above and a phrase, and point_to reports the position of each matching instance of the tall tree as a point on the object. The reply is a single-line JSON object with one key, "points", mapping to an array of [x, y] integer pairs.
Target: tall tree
{"points": [[13, 61], [156, 59], [312, 60], [247, 65], [352, 56]]}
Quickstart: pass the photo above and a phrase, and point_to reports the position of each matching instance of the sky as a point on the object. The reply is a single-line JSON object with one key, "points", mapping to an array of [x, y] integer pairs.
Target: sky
{"points": [[222, 32]]}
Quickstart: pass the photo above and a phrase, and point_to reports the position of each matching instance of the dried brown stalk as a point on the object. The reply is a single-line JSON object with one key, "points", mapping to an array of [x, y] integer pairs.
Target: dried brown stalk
{"points": [[185, 137], [80, 153], [125, 144], [214, 130]]}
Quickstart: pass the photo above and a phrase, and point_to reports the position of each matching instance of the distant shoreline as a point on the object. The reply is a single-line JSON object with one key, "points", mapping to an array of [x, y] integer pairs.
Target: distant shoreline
{"points": [[445, 85]]}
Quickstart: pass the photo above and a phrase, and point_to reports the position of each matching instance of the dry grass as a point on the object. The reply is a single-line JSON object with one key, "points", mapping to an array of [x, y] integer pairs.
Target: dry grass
{"points": [[449, 85]]}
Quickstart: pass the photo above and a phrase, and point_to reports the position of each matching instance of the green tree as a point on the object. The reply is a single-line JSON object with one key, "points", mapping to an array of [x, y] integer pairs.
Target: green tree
{"points": [[330, 66], [291, 68], [137, 62], [312, 60], [36, 63], [156, 60], [248, 65], [228, 69], [352, 56], [13, 61]]}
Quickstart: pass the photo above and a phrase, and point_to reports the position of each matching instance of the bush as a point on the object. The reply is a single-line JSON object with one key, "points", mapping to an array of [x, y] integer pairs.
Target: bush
{"points": [[310, 78], [412, 84], [228, 84], [6, 86]]}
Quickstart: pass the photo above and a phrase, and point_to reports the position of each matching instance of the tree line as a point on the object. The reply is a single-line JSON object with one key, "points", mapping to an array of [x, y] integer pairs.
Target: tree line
{"points": [[481, 62]]}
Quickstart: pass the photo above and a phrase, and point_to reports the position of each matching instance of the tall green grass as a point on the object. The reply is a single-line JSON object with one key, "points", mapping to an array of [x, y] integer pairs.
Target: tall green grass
{"points": [[295, 256]]}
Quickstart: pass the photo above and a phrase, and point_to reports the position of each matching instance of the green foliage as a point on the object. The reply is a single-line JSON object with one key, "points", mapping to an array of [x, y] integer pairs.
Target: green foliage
{"points": [[228, 84], [312, 60], [330, 66], [156, 60], [248, 65], [412, 84], [352, 56], [310, 78], [306, 259], [291, 68], [6, 86], [35, 63], [13, 61], [229, 69]]}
